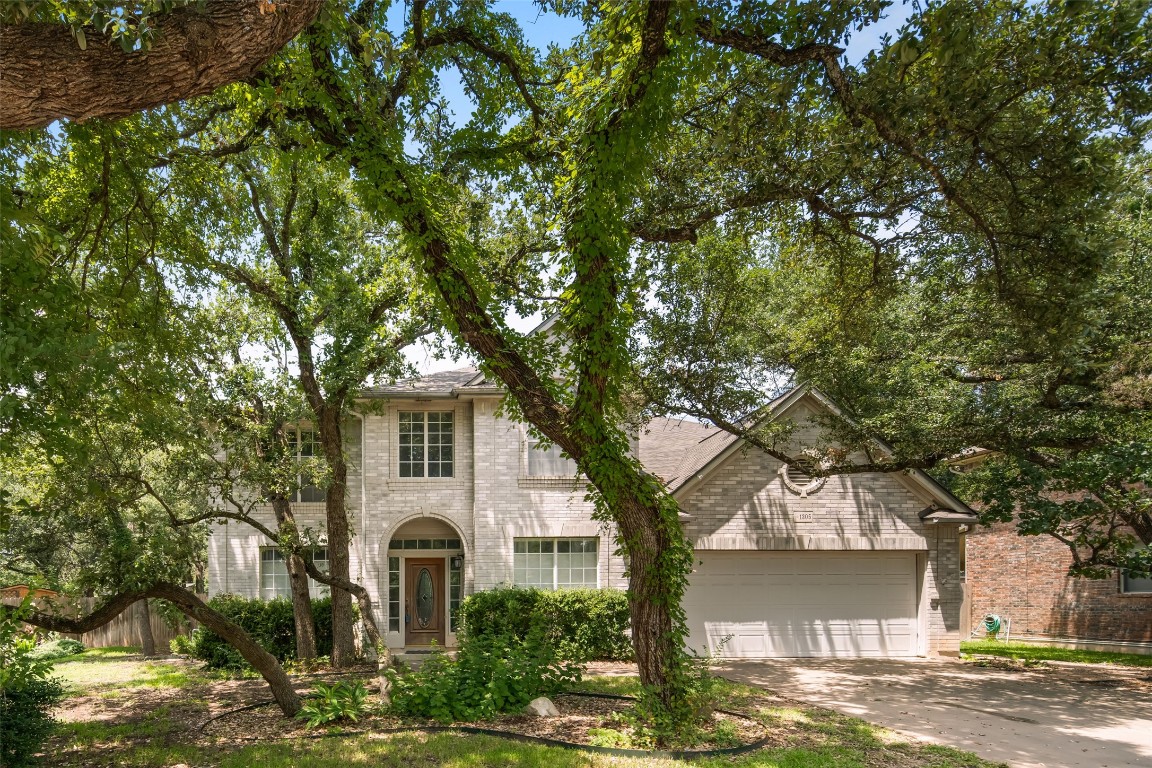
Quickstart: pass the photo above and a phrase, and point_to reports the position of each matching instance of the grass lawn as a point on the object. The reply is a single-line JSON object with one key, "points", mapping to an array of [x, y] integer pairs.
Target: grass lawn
{"points": [[1037, 652], [109, 670], [158, 705]]}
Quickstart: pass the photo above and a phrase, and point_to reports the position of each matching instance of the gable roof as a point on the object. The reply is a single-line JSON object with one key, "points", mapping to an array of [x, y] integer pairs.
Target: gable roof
{"points": [[680, 452], [666, 444], [774, 410]]}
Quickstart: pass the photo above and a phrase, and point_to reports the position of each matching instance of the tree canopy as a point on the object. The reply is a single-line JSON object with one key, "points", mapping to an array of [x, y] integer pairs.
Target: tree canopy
{"points": [[713, 198]]}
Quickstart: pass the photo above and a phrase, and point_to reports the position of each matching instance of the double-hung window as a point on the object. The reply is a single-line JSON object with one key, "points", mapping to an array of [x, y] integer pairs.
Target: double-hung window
{"points": [[556, 563], [305, 446], [274, 573], [426, 448], [548, 462]]}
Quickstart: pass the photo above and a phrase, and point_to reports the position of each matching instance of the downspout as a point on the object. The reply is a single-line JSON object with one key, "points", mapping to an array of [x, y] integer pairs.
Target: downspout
{"points": [[227, 548], [363, 507], [363, 498]]}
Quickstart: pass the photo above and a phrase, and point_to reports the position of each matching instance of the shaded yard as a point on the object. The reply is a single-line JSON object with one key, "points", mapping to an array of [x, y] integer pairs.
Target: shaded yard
{"points": [[125, 711]]}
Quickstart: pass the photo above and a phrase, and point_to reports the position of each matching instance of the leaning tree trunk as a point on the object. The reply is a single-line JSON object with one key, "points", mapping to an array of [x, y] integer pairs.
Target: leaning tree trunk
{"points": [[235, 635], [144, 624], [339, 536], [298, 581], [194, 608]]}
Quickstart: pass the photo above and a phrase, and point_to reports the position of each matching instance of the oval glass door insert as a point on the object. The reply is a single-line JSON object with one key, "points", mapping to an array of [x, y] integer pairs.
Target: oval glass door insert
{"points": [[425, 598]]}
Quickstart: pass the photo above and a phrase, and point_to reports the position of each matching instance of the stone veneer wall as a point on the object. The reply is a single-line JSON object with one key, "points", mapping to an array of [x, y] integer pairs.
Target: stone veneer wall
{"points": [[1025, 578]]}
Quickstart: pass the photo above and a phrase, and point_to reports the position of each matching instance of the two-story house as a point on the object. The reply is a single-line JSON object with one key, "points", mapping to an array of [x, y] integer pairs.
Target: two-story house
{"points": [[447, 497]]}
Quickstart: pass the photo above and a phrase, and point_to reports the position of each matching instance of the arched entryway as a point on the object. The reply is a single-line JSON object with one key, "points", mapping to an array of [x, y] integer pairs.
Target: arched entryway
{"points": [[425, 582]]}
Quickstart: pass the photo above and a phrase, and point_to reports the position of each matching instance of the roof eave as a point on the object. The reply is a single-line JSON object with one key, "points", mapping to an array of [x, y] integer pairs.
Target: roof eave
{"points": [[414, 394], [935, 515]]}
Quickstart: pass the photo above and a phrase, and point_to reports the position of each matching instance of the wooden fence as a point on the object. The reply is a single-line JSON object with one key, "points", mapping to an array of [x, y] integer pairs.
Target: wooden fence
{"points": [[125, 628]]}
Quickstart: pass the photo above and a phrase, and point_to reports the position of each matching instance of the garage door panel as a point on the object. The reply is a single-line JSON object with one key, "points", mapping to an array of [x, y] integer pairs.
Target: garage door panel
{"points": [[833, 604], [784, 566]]}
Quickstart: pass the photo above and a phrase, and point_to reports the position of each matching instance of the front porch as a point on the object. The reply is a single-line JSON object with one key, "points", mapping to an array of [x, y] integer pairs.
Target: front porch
{"points": [[425, 584]]}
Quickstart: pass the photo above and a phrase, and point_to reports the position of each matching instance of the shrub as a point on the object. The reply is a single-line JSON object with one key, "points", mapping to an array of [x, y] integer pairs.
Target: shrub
{"points": [[181, 644], [271, 624], [491, 674], [27, 693], [655, 725], [582, 624], [340, 701], [57, 648], [26, 720]]}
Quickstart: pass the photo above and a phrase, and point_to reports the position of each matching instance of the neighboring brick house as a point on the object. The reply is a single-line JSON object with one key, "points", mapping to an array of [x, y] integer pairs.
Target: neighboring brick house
{"points": [[15, 594], [448, 496], [1025, 579]]}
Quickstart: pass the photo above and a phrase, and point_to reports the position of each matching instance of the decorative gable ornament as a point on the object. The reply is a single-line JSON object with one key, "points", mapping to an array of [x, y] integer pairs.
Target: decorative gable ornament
{"points": [[801, 481]]}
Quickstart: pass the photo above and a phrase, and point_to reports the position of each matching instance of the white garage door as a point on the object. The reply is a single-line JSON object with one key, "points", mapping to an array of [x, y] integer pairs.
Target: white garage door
{"points": [[791, 604]]}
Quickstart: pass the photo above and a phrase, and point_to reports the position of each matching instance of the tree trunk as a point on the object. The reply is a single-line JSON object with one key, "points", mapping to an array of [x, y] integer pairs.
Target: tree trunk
{"points": [[302, 609], [235, 635], [144, 624], [339, 535], [298, 581], [659, 561], [45, 75], [194, 608], [368, 617], [654, 593]]}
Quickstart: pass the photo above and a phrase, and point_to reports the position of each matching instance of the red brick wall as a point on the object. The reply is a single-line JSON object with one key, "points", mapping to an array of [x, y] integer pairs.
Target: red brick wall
{"points": [[1024, 578]]}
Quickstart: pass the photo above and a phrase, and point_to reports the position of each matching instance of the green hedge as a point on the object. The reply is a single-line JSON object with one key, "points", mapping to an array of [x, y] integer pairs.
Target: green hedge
{"points": [[26, 719], [582, 624], [270, 622]]}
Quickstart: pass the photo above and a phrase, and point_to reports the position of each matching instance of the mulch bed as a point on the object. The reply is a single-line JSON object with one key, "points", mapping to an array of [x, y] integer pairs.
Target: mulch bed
{"points": [[236, 712], [579, 716]]}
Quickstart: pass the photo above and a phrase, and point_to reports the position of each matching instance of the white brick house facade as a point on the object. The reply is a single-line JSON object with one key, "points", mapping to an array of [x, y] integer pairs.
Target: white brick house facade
{"points": [[497, 519]]}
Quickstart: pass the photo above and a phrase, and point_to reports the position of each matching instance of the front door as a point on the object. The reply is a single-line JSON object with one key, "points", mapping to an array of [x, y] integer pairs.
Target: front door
{"points": [[424, 601]]}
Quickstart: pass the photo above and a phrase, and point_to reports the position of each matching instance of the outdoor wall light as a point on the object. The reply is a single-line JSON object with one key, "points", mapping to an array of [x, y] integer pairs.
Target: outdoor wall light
{"points": [[457, 562]]}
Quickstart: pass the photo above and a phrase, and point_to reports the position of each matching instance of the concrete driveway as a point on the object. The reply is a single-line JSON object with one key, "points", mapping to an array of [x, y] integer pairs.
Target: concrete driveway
{"points": [[1065, 716]]}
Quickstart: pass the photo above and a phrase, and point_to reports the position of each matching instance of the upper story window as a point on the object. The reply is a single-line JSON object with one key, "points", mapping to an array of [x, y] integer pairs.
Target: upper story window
{"points": [[274, 573], [426, 448], [305, 445], [548, 462]]}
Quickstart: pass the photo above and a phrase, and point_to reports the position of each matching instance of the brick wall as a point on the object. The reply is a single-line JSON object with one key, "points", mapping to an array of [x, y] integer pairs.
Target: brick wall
{"points": [[509, 504], [490, 501], [1024, 578], [745, 505]]}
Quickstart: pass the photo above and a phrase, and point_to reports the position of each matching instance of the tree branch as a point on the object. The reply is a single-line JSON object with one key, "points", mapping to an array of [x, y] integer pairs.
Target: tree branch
{"points": [[191, 606], [759, 45], [48, 77], [828, 56]]}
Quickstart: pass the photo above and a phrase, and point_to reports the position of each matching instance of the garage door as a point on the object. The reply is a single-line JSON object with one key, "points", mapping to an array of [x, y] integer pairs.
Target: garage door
{"points": [[791, 604]]}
